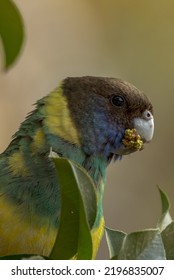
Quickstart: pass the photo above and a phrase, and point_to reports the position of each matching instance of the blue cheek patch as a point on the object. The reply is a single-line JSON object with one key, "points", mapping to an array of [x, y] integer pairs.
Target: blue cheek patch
{"points": [[103, 137]]}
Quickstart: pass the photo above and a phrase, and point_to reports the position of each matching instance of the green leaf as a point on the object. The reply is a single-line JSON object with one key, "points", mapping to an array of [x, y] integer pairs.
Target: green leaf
{"points": [[78, 212], [165, 218], [11, 31], [142, 245], [168, 241], [114, 241]]}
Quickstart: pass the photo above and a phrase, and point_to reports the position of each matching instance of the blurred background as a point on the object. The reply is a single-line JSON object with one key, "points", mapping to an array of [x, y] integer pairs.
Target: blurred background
{"points": [[132, 40]]}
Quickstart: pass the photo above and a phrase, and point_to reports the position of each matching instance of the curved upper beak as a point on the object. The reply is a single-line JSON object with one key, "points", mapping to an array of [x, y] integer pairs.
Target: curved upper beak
{"points": [[144, 126]]}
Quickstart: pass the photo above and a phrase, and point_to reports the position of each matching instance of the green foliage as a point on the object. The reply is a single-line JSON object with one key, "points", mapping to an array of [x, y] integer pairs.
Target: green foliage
{"points": [[149, 244], [11, 31], [168, 241], [78, 212], [165, 218], [141, 245]]}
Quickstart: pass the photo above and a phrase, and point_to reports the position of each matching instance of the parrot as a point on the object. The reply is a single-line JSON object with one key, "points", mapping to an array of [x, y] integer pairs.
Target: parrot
{"points": [[83, 119]]}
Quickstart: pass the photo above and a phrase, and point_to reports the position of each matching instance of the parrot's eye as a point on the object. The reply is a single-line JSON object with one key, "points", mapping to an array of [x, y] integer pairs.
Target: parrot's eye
{"points": [[117, 100]]}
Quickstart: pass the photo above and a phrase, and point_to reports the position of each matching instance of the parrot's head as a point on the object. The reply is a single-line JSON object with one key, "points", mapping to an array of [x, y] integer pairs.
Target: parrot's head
{"points": [[103, 109]]}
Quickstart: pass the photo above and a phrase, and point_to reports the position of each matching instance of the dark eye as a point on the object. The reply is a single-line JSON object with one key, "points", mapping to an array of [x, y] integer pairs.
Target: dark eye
{"points": [[117, 100]]}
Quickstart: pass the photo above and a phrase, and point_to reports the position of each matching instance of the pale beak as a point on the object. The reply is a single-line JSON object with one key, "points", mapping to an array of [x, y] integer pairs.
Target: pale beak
{"points": [[144, 126]]}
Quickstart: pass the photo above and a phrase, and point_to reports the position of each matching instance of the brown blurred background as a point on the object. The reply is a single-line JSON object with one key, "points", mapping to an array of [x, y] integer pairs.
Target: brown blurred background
{"points": [[133, 40]]}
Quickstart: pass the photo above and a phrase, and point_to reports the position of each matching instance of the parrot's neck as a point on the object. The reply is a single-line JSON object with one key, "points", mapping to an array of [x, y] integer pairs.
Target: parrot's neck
{"points": [[60, 132], [95, 165], [51, 126], [28, 156]]}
